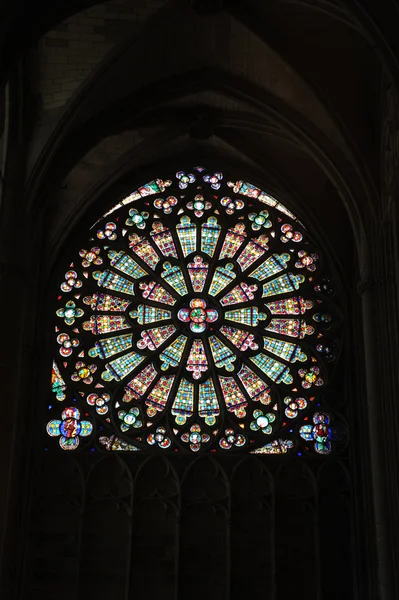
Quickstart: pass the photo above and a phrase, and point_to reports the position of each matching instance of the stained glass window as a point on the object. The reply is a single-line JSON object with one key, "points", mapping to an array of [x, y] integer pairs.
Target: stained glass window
{"points": [[198, 309]]}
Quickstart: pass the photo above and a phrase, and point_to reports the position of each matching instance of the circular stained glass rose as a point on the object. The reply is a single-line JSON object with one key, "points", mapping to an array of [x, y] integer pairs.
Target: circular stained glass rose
{"points": [[202, 316]]}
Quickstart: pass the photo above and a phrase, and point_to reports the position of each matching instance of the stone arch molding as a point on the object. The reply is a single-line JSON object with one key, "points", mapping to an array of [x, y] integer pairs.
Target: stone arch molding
{"points": [[294, 91]]}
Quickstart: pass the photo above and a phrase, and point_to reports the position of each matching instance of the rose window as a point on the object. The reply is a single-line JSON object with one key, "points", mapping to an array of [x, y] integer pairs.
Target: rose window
{"points": [[196, 318]]}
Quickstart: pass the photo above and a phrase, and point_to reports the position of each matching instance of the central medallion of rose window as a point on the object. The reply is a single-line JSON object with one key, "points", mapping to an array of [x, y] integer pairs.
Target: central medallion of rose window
{"points": [[198, 315]]}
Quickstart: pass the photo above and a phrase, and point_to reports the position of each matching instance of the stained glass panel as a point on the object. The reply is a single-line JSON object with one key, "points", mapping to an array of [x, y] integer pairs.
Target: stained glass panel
{"points": [[274, 369], [290, 306], [183, 405], [245, 316], [291, 327], [137, 387], [255, 387], [172, 355], [208, 403], [174, 276], [276, 447], [106, 303], [221, 278], [58, 385], [126, 264], [240, 293], [271, 266], [149, 314], [144, 250], [110, 346], [209, 236], [158, 397], [113, 281], [242, 340], [197, 362], [283, 285], [285, 350], [253, 251], [155, 292], [187, 232], [233, 397], [119, 368], [153, 338], [222, 356], [233, 240], [105, 324], [163, 238], [198, 271]]}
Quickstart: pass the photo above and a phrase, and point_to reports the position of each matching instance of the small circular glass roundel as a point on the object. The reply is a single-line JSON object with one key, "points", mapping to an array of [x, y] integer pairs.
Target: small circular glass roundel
{"points": [[195, 318], [197, 315]]}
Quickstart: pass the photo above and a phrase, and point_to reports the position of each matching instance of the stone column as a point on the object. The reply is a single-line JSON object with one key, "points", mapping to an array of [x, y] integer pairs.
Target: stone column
{"points": [[379, 296], [19, 285]]}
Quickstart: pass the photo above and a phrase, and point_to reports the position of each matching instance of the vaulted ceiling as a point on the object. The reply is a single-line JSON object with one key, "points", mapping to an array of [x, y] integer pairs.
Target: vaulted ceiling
{"points": [[290, 94]]}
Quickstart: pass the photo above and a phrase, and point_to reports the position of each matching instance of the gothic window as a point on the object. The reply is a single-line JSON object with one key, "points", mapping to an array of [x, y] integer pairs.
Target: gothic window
{"points": [[197, 316]]}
